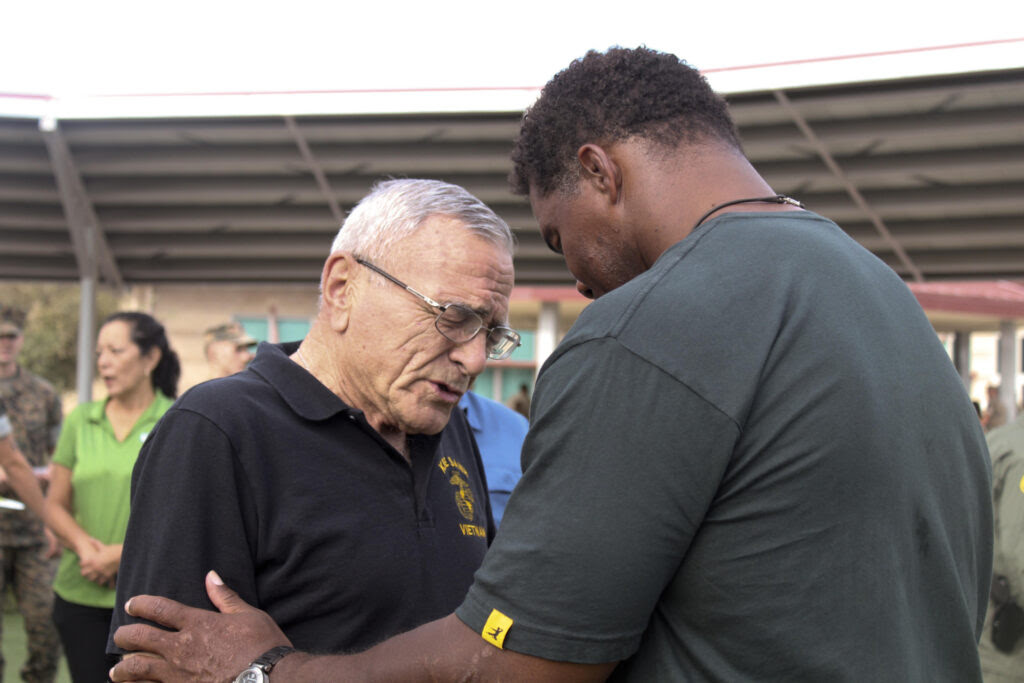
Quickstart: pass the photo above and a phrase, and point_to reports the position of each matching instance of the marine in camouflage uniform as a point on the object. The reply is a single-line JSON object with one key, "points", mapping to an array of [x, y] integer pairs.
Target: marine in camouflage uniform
{"points": [[34, 410], [1006, 446]]}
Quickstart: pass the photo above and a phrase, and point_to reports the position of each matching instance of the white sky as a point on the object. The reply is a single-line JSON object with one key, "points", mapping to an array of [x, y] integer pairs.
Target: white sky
{"points": [[77, 50]]}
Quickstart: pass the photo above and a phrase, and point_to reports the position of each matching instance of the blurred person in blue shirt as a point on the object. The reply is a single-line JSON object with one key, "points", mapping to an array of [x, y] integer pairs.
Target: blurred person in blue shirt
{"points": [[499, 432]]}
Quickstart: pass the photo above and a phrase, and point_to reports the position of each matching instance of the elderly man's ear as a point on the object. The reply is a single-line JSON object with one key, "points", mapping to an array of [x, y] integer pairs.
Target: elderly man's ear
{"points": [[338, 289]]}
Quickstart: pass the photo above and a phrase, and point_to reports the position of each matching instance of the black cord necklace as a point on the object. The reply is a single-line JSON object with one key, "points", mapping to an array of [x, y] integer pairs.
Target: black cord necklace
{"points": [[776, 199]]}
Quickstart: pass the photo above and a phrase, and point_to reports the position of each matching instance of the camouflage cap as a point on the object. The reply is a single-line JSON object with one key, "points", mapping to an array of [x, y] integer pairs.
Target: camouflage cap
{"points": [[232, 332], [11, 319]]}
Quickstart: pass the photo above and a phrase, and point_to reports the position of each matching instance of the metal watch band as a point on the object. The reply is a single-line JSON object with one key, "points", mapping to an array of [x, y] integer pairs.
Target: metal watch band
{"points": [[268, 659]]}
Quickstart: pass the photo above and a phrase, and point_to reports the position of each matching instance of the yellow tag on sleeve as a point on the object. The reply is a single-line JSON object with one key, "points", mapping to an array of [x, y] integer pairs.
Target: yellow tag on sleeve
{"points": [[496, 628]]}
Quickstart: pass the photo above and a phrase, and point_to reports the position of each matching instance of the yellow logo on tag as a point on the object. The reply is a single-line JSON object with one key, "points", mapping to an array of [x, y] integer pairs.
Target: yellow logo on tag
{"points": [[1022, 484], [496, 628]]}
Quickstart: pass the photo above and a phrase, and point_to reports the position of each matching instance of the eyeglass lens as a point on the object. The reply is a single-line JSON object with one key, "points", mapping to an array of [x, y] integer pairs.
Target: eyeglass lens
{"points": [[501, 342], [460, 324]]}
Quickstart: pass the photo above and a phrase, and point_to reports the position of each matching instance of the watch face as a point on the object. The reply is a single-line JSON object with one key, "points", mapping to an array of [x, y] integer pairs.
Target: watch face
{"points": [[253, 674]]}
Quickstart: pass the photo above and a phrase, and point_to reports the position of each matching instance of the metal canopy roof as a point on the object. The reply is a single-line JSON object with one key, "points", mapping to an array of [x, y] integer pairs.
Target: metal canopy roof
{"points": [[927, 173]]}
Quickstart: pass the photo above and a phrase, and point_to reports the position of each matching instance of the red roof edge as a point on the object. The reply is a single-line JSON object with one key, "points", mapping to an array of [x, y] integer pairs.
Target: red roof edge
{"points": [[1001, 298], [547, 294]]}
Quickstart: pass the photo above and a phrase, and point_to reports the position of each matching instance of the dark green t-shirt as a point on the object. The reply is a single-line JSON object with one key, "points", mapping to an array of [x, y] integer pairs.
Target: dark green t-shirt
{"points": [[754, 461]]}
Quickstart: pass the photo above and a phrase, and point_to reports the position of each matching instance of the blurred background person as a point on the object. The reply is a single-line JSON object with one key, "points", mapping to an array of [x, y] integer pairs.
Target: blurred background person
{"points": [[499, 432], [87, 504], [520, 401], [995, 411], [19, 474], [228, 349], [29, 432], [27, 549]]}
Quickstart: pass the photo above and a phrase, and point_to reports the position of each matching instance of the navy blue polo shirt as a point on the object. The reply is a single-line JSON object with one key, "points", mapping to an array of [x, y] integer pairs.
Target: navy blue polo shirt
{"points": [[304, 509]]}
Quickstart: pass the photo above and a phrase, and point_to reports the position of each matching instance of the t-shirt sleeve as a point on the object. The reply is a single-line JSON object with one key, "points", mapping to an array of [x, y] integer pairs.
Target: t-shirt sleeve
{"points": [[621, 463], [191, 511]]}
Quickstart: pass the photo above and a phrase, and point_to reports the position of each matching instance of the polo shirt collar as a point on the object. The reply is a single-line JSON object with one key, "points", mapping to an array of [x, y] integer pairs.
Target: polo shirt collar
{"points": [[303, 392], [310, 399], [96, 410]]}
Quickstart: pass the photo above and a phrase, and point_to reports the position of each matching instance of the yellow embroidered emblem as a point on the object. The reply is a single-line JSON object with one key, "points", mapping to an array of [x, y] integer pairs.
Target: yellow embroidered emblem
{"points": [[496, 629], [459, 478]]}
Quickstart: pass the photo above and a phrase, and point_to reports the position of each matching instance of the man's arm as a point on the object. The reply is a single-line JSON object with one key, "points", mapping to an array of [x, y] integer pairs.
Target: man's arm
{"points": [[20, 476], [442, 650], [209, 646], [187, 515]]}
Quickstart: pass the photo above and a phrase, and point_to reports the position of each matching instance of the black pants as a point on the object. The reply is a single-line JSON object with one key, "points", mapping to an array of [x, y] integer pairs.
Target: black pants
{"points": [[83, 632]]}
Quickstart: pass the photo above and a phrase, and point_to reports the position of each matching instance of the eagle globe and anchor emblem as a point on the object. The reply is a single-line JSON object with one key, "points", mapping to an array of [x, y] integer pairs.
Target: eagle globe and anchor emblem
{"points": [[459, 478], [464, 495]]}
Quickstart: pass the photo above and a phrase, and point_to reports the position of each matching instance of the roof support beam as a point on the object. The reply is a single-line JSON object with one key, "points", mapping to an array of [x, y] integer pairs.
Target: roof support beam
{"points": [[848, 185], [315, 169], [87, 235], [91, 250]]}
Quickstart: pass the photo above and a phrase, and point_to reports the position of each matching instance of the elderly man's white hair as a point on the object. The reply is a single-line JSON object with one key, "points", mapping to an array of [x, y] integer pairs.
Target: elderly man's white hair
{"points": [[395, 209]]}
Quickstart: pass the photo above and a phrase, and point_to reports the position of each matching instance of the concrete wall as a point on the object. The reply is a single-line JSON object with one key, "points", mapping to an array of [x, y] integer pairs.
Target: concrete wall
{"points": [[187, 310]]}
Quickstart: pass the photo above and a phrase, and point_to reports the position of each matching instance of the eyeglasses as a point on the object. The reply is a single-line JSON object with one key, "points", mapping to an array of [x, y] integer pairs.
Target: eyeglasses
{"points": [[458, 323], [9, 335]]}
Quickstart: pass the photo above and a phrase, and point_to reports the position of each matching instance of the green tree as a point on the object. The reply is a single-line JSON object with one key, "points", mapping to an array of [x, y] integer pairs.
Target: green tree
{"points": [[51, 329]]}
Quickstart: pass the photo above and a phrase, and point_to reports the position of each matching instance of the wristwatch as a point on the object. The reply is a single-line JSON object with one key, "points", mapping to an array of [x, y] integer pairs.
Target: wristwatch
{"points": [[259, 670]]}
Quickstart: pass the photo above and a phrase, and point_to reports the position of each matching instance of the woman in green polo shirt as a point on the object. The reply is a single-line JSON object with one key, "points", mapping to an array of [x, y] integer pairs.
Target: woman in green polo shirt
{"points": [[87, 502]]}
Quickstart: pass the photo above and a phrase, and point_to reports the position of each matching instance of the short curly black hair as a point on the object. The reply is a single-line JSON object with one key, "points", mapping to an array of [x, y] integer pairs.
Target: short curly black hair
{"points": [[608, 97]]}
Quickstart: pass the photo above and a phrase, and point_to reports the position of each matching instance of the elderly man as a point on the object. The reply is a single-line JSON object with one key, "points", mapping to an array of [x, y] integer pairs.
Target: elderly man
{"points": [[27, 549], [332, 482], [726, 478], [228, 349]]}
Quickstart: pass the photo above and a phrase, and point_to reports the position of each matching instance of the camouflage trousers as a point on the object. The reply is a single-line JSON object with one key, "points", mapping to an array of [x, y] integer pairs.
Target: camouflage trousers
{"points": [[31, 579]]}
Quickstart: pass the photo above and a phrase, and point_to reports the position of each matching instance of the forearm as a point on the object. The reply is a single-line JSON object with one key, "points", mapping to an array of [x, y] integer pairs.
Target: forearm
{"points": [[200, 646], [112, 558], [442, 650], [64, 526], [59, 516], [397, 659], [24, 482]]}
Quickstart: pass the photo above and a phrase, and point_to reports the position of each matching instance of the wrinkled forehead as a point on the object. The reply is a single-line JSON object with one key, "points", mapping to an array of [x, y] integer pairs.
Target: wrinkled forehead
{"points": [[457, 267], [440, 238], [459, 230]]}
